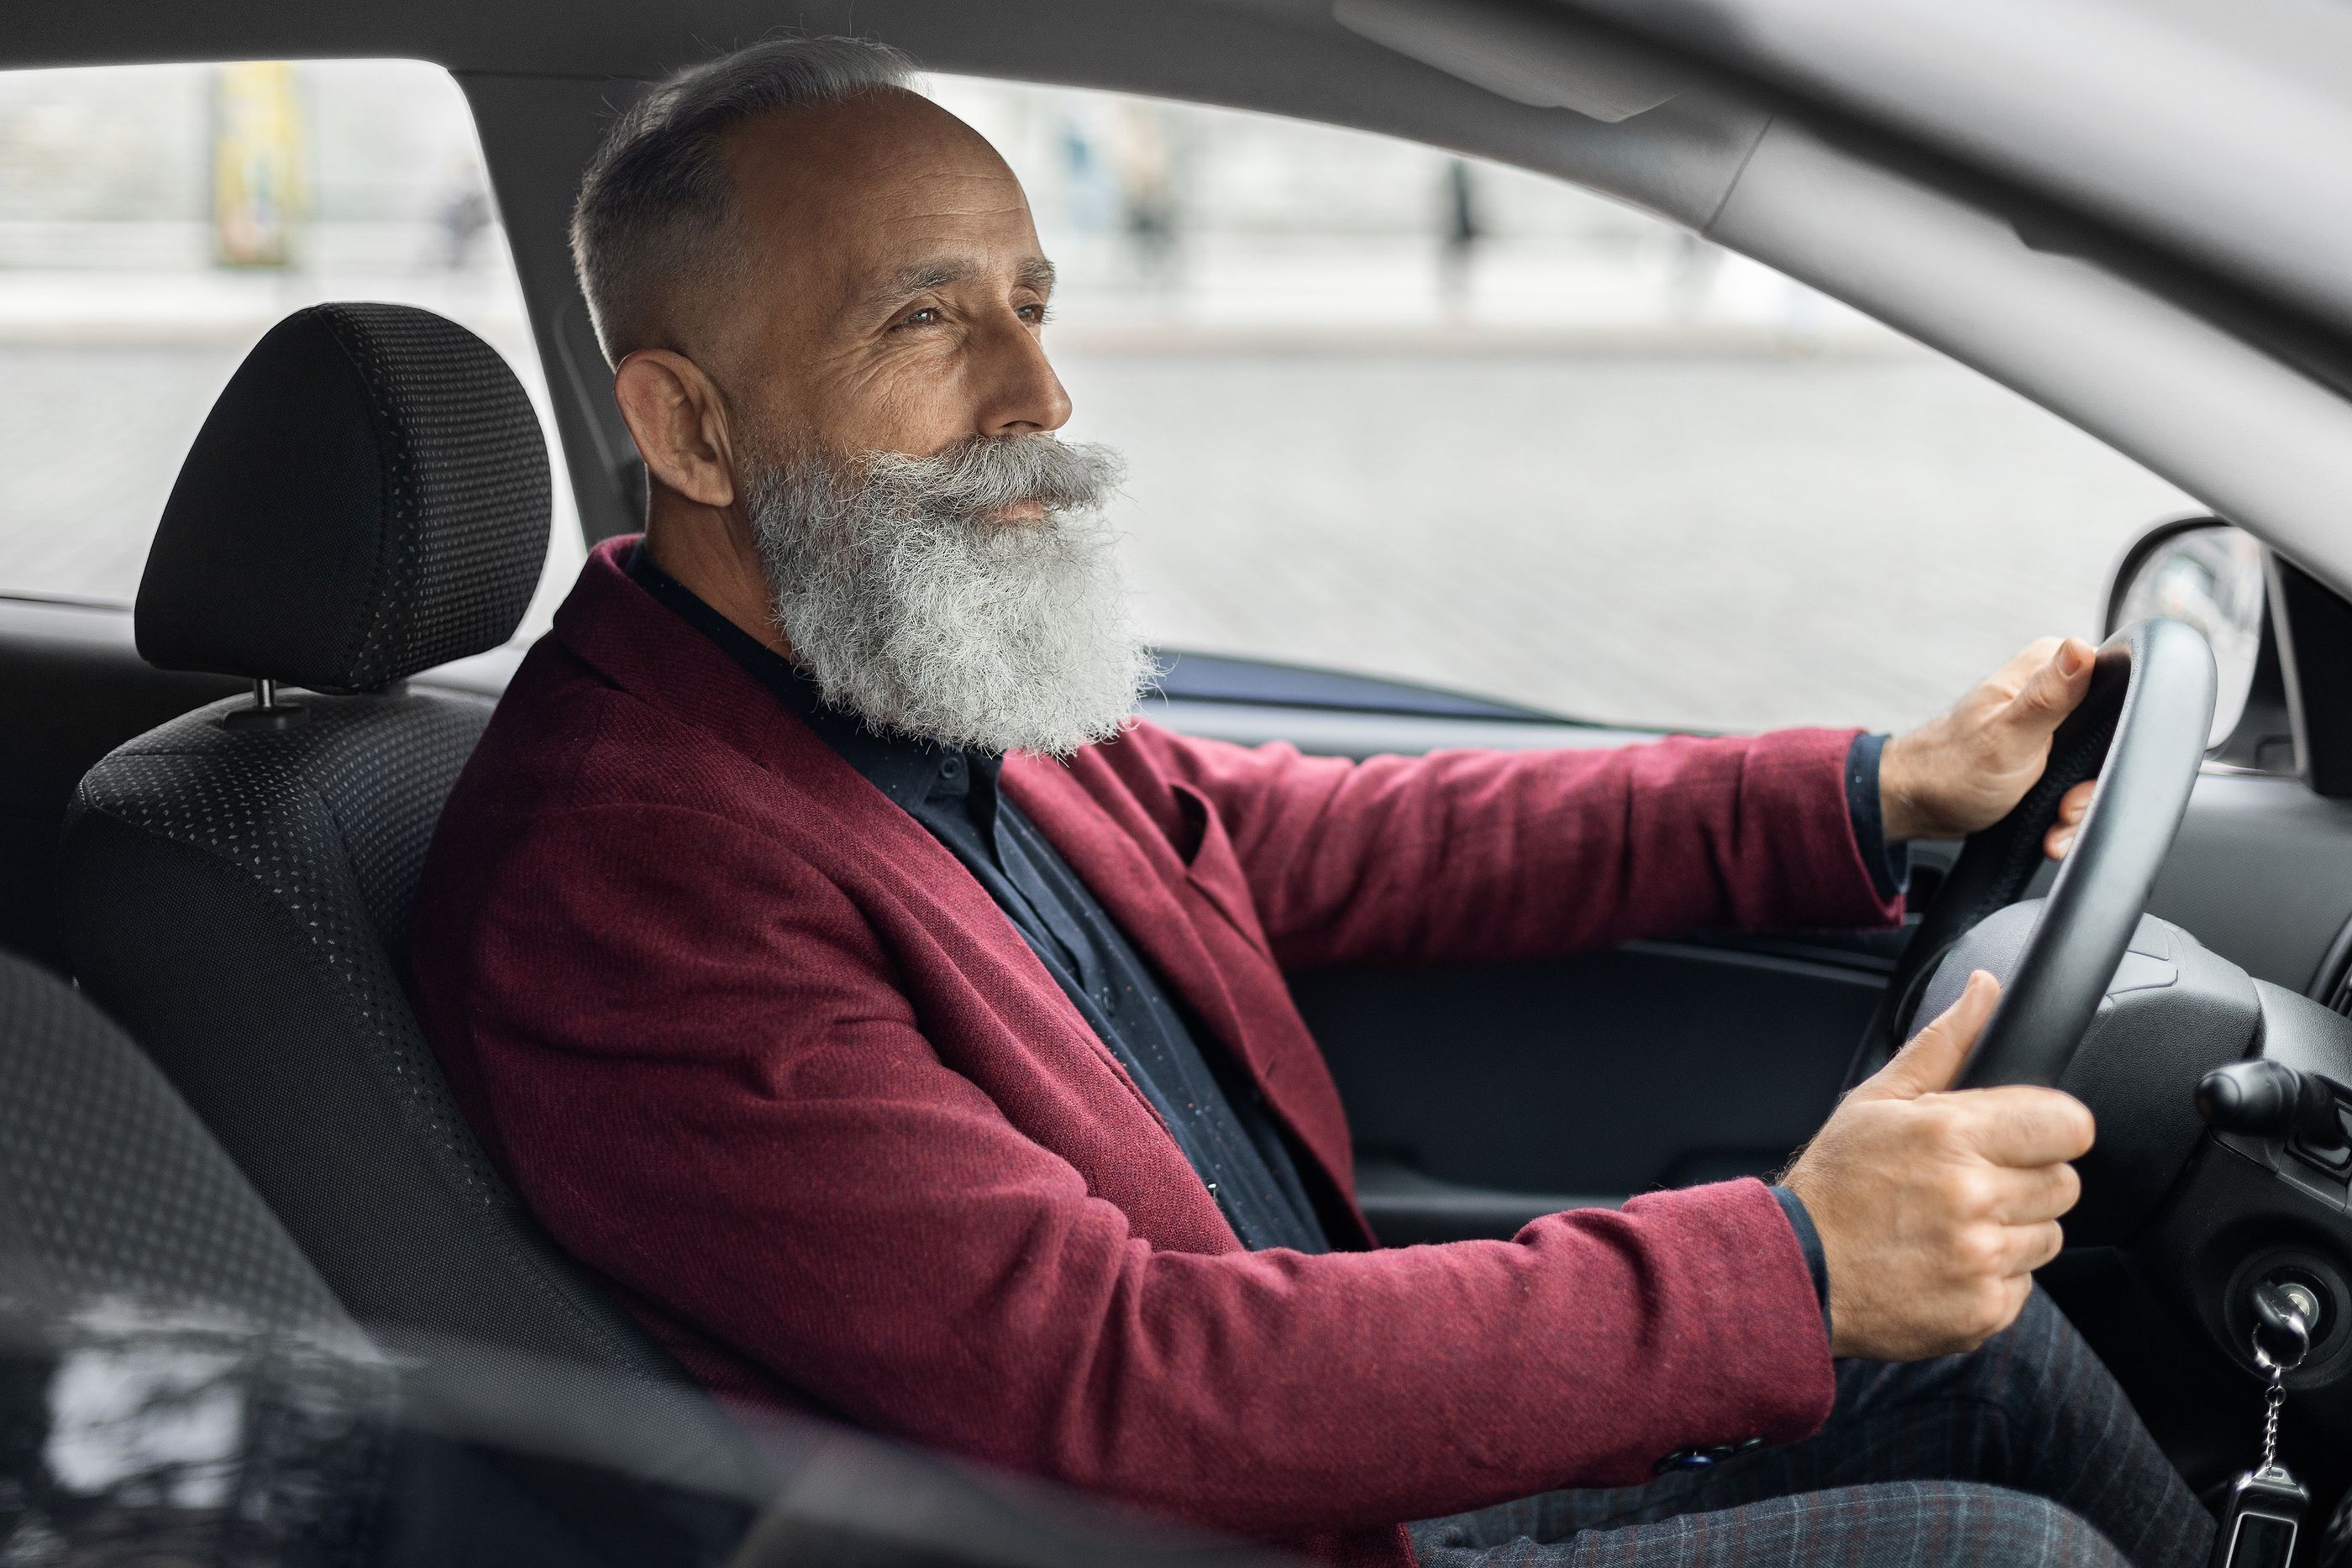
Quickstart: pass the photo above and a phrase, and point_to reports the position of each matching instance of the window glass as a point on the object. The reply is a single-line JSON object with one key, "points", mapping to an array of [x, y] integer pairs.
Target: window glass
{"points": [[156, 220], [1407, 414]]}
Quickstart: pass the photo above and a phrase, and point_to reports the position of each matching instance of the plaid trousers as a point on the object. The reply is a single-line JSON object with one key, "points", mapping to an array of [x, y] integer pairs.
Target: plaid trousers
{"points": [[2022, 1452]]}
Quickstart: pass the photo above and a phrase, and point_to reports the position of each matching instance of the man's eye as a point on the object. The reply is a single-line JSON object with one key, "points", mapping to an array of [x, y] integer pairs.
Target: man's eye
{"points": [[1034, 313], [929, 315]]}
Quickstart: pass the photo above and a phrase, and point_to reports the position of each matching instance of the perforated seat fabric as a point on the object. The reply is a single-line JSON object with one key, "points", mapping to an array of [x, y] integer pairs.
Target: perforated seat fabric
{"points": [[367, 498], [232, 896], [108, 1186], [237, 895], [119, 1211]]}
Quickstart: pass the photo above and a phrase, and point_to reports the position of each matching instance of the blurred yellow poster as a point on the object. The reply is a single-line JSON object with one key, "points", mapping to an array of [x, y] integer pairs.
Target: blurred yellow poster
{"points": [[256, 167]]}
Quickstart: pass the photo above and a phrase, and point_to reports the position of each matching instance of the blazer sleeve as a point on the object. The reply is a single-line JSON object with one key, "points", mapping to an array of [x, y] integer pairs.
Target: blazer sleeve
{"points": [[712, 1089], [1475, 856]]}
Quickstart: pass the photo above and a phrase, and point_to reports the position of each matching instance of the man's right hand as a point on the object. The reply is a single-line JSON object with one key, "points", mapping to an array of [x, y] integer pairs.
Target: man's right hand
{"points": [[1935, 1206]]}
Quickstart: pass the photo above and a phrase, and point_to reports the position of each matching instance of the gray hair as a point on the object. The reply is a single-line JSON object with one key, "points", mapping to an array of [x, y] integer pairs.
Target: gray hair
{"points": [[656, 204]]}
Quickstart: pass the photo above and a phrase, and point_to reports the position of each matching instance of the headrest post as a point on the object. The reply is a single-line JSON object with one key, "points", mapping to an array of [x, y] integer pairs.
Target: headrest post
{"points": [[266, 712]]}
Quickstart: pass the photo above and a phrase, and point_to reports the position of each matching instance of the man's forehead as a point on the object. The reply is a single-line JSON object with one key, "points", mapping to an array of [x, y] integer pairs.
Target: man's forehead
{"points": [[885, 160]]}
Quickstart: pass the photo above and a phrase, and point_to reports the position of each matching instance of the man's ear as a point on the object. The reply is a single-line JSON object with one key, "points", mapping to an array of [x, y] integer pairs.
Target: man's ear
{"points": [[680, 422]]}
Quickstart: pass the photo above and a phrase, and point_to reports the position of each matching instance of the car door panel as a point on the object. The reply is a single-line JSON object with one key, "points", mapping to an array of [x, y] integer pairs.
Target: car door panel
{"points": [[1482, 1097]]}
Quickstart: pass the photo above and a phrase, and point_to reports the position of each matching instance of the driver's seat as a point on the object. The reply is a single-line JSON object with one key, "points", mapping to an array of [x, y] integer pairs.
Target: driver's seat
{"points": [[368, 500]]}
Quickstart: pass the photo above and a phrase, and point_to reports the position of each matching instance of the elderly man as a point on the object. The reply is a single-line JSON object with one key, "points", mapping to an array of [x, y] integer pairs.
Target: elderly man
{"points": [[838, 968]]}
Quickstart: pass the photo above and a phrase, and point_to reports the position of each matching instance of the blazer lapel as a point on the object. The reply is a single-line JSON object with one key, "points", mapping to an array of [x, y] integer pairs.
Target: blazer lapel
{"points": [[1143, 882], [928, 871], [1139, 896]]}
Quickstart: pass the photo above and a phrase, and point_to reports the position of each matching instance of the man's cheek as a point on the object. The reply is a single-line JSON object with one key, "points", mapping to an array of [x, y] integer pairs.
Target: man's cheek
{"points": [[912, 404]]}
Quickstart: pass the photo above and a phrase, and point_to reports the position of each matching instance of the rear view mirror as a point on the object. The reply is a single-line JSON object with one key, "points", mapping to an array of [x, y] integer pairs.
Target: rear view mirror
{"points": [[2205, 572]]}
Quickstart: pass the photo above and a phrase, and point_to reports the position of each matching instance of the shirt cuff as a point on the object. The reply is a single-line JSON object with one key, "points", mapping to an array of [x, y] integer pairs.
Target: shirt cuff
{"points": [[1809, 1242], [1889, 864]]}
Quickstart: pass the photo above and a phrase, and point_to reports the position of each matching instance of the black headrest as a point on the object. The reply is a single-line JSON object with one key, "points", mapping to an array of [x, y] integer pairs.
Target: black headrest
{"points": [[368, 499]]}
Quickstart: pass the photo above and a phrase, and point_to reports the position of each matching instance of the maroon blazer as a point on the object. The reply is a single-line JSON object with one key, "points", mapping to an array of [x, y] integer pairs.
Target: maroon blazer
{"points": [[759, 1052]]}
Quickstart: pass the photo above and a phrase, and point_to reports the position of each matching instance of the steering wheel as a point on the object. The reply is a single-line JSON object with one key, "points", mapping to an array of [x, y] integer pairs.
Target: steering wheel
{"points": [[2145, 716]]}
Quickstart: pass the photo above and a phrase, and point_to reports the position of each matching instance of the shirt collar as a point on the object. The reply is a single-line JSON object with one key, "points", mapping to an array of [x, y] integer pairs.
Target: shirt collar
{"points": [[910, 773]]}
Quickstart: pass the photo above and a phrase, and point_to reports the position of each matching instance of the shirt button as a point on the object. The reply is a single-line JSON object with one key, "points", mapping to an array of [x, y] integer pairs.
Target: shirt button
{"points": [[1706, 1458], [951, 765]]}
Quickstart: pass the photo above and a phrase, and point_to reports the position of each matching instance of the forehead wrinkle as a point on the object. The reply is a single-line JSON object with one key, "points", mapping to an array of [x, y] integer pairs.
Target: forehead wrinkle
{"points": [[932, 211]]}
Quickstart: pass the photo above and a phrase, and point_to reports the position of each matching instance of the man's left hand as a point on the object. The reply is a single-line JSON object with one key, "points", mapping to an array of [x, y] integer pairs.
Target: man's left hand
{"points": [[1964, 771]]}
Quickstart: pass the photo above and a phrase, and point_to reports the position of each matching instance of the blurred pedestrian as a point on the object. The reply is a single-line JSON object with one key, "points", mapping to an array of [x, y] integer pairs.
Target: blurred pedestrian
{"points": [[1146, 188], [462, 219], [1462, 234]]}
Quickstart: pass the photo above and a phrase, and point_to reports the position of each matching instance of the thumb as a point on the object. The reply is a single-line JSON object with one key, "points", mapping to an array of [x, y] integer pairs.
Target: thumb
{"points": [[1928, 1065], [2051, 692]]}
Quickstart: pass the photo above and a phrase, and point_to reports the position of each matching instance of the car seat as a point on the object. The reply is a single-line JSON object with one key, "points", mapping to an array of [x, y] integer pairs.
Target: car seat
{"points": [[368, 499]]}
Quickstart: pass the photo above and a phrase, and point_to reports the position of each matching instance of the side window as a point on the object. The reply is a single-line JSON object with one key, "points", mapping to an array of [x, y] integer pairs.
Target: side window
{"points": [[156, 220], [1413, 416]]}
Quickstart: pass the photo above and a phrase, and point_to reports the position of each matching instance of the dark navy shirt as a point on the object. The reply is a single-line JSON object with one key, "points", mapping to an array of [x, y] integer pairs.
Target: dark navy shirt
{"points": [[1211, 1108]]}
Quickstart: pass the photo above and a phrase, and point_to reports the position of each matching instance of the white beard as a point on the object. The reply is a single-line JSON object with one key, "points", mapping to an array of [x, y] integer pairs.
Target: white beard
{"points": [[913, 607]]}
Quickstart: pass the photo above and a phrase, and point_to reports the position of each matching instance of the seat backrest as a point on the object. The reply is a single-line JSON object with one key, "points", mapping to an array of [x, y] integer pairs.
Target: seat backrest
{"points": [[124, 1230], [368, 499], [110, 1187]]}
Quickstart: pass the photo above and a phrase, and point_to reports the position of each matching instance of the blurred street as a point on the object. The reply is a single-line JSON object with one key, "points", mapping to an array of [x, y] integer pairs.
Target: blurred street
{"points": [[1715, 543]]}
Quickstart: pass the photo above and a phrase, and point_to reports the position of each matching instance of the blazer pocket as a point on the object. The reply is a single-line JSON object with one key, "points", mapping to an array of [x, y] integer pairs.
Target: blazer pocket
{"points": [[1213, 867]]}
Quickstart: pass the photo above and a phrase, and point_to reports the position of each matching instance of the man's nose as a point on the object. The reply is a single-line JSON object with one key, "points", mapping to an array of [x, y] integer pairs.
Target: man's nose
{"points": [[1019, 393]]}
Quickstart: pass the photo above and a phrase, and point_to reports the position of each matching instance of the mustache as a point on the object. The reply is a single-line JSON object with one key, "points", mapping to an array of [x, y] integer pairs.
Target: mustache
{"points": [[984, 474]]}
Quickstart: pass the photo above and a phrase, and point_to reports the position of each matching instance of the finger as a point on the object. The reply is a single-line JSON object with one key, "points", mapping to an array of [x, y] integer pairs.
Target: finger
{"points": [[2005, 1300], [2034, 1194], [2051, 692], [2073, 807], [2025, 1247], [2019, 1125], [1929, 1063], [2011, 678]]}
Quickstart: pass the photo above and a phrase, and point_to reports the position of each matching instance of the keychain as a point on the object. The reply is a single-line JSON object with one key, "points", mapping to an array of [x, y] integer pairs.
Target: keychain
{"points": [[2266, 1504]]}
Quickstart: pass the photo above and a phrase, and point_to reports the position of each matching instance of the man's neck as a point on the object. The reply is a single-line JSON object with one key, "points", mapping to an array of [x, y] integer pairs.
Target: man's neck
{"points": [[710, 552]]}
